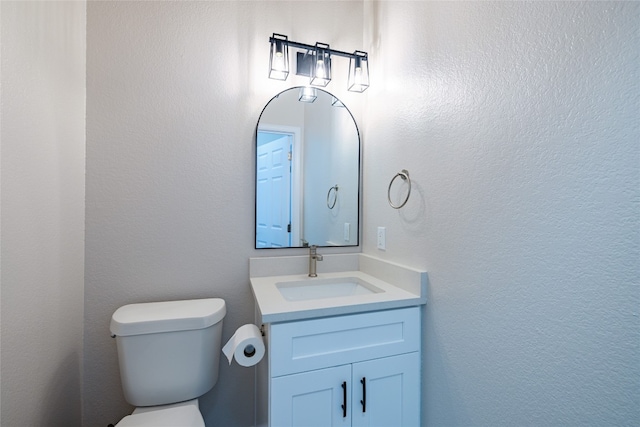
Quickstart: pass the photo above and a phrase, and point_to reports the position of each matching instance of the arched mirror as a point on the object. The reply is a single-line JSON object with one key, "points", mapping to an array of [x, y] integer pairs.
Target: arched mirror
{"points": [[307, 171]]}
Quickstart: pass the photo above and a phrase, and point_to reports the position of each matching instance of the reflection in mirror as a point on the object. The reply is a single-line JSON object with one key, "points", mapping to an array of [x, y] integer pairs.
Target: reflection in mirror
{"points": [[307, 172]]}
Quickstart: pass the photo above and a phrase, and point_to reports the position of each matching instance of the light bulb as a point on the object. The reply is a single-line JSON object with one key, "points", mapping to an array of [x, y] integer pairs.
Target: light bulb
{"points": [[278, 63], [320, 70], [358, 76]]}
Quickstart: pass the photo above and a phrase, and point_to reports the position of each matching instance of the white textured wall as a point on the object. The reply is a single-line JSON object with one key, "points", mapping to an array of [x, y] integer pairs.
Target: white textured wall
{"points": [[43, 105], [518, 123], [174, 92]]}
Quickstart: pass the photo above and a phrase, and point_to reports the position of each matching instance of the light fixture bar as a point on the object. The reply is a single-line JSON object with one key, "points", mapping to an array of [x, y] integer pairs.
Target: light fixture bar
{"points": [[305, 46], [315, 63]]}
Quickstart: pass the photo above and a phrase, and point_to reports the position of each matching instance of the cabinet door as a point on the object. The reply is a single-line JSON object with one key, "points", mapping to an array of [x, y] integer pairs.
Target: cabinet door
{"points": [[311, 399], [390, 395]]}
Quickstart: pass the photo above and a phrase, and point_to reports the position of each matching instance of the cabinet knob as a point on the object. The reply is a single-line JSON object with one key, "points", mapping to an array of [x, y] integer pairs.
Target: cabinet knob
{"points": [[363, 381]]}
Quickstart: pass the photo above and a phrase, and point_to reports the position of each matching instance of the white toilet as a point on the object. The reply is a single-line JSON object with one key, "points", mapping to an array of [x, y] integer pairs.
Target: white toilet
{"points": [[169, 353]]}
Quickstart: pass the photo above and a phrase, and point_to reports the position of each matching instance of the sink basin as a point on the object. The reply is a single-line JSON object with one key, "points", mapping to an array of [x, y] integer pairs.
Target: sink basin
{"points": [[313, 288]]}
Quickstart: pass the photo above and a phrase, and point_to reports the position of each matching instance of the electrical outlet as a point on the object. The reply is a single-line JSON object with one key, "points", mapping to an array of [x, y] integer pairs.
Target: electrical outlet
{"points": [[382, 238]]}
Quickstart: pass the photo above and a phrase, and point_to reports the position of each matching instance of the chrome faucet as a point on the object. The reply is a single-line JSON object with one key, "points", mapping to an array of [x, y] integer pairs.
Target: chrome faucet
{"points": [[313, 257]]}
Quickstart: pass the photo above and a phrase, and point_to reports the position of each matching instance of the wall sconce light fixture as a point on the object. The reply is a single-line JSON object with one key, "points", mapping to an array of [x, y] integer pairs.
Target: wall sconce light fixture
{"points": [[358, 72], [321, 65], [315, 63], [279, 58]]}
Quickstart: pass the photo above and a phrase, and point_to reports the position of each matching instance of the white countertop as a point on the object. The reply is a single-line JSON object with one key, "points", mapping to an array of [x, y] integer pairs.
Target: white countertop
{"points": [[401, 286]]}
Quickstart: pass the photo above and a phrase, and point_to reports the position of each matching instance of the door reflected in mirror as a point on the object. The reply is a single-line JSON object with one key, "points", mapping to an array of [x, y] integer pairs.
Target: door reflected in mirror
{"points": [[307, 172]]}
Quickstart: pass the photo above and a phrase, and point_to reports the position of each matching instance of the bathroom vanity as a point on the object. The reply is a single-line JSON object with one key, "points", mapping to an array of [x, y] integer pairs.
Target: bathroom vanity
{"points": [[343, 349]]}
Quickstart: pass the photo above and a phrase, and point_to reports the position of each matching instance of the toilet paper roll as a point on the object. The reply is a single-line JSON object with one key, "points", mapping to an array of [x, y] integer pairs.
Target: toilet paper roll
{"points": [[246, 345]]}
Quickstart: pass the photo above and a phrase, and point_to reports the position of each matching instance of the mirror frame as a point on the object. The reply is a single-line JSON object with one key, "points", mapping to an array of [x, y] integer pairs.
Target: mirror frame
{"points": [[255, 172]]}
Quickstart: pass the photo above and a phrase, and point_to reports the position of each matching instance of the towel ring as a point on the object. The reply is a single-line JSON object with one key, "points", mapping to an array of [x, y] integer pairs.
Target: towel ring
{"points": [[335, 197], [404, 174]]}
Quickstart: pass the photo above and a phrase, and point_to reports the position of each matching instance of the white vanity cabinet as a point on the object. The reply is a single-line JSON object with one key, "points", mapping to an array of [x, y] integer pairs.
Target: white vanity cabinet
{"points": [[379, 392], [350, 370]]}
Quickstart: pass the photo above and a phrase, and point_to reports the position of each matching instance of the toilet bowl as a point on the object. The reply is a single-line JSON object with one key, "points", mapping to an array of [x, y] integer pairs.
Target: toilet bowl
{"points": [[185, 414], [169, 354]]}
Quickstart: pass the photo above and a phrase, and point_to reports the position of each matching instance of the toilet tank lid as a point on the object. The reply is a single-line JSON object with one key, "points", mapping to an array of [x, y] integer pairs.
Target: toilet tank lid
{"points": [[168, 316]]}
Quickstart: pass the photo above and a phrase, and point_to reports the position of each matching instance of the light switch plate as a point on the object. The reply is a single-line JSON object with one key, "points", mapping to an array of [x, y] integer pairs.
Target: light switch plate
{"points": [[382, 238]]}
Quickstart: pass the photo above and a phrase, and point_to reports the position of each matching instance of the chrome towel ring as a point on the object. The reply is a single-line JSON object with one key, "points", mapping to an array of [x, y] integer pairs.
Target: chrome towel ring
{"points": [[335, 196], [404, 174]]}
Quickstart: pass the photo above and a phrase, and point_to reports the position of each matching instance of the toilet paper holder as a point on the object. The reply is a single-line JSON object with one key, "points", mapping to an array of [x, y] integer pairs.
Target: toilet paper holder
{"points": [[246, 345]]}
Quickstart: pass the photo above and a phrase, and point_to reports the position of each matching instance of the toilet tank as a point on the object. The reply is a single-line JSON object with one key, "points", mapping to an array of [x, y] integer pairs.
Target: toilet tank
{"points": [[168, 351]]}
